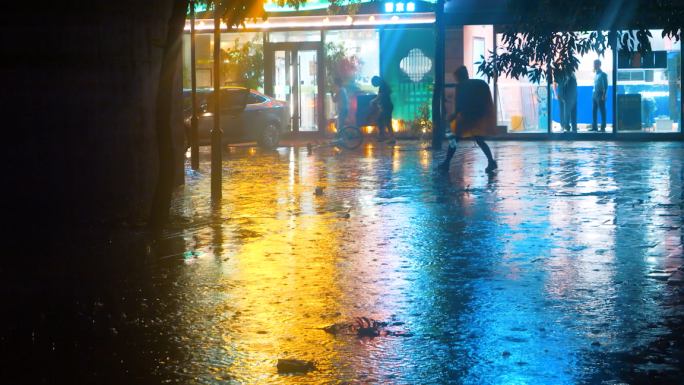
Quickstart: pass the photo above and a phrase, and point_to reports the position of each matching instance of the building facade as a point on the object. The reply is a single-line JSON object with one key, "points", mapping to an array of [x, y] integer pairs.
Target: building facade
{"points": [[295, 55]]}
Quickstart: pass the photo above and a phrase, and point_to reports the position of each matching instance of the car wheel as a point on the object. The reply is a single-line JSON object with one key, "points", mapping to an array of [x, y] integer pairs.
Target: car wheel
{"points": [[269, 136]]}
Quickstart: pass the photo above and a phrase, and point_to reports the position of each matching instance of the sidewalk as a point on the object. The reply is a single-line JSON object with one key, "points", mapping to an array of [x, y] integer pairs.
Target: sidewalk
{"points": [[554, 269]]}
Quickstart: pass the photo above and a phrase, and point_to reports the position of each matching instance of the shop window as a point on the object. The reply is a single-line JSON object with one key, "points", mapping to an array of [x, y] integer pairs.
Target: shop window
{"points": [[522, 106], [242, 55], [648, 88], [561, 106], [354, 56]]}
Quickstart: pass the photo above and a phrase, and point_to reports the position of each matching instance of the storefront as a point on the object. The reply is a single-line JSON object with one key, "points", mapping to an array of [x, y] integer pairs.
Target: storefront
{"points": [[644, 93], [294, 57]]}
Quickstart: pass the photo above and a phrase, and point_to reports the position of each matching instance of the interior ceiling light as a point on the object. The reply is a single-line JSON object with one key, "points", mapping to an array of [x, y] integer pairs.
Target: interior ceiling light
{"points": [[371, 18], [326, 20], [349, 19]]}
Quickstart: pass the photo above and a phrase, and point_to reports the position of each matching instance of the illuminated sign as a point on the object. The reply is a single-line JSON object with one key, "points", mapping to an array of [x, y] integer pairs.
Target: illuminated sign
{"points": [[400, 7], [310, 5]]}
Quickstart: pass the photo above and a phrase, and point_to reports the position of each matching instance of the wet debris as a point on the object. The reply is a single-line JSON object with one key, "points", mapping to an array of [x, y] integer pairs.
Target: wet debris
{"points": [[318, 191], [365, 327], [505, 353], [291, 365]]}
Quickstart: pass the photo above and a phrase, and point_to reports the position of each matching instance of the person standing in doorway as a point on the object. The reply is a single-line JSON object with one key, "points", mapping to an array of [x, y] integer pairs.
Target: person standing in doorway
{"points": [[341, 99], [384, 103], [570, 102], [598, 97], [474, 116], [559, 94]]}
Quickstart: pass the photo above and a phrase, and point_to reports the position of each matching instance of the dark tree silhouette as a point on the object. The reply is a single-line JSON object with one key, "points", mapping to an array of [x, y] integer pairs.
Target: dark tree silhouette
{"points": [[233, 13], [547, 36]]}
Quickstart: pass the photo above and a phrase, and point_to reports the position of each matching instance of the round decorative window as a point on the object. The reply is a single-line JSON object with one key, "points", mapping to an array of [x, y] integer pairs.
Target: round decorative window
{"points": [[415, 65]]}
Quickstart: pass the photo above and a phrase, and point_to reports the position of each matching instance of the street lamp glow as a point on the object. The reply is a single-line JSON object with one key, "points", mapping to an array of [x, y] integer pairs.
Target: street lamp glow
{"points": [[349, 19], [400, 7], [389, 7], [411, 7], [371, 18]]}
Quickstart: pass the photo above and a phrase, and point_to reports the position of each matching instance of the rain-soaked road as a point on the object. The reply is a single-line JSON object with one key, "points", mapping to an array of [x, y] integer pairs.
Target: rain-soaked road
{"points": [[552, 270]]}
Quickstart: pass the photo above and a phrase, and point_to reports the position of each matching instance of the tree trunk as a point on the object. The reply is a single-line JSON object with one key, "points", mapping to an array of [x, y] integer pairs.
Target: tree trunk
{"points": [[161, 204]]}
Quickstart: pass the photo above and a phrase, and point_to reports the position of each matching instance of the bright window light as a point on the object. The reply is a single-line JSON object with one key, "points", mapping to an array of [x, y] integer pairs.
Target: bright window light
{"points": [[389, 7], [400, 7], [411, 7]]}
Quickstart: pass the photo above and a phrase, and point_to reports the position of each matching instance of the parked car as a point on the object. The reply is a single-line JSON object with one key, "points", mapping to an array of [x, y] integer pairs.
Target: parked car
{"points": [[246, 116]]}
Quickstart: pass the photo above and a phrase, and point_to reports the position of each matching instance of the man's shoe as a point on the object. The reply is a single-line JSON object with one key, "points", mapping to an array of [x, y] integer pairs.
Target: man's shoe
{"points": [[602, 130], [491, 166], [380, 140], [391, 141], [593, 129], [444, 166]]}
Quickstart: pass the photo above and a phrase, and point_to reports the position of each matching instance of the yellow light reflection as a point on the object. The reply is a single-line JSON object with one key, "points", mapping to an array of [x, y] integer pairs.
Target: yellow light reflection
{"points": [[261, 294]]}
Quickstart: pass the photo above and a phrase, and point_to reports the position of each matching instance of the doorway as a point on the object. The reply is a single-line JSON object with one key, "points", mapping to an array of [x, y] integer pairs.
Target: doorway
{"points": [[295, 74]]}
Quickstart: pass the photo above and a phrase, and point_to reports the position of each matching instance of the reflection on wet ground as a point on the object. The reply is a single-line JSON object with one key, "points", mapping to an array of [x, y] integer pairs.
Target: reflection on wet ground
{"points": [[552, 270]]}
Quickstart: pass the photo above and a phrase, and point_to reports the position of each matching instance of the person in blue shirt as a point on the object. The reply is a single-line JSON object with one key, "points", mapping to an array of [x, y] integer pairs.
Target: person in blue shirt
{"points": [[570, 102], [598, 97], [342, 100]]}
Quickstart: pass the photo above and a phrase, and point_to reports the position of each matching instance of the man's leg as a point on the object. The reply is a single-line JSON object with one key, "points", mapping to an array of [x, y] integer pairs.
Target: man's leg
{"points": [[390, 131], [341, 120], [444, 166], [491, 163], [563, 115], [594, 111], [381, 126], [573, 115], [604, 118]]}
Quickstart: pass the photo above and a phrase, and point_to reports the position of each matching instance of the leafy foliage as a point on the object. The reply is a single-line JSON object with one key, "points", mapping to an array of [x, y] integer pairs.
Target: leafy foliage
{"points": [[548, 36], [237, 12], [422, 120], [245, 63], [340, 62]]}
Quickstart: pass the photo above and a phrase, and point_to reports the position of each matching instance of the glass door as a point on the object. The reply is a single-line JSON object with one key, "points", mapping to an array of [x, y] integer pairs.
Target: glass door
{"points": [[308, 90], [295, 78]]}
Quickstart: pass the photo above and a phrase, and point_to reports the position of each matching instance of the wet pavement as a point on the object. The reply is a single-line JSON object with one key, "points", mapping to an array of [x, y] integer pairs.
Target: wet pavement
{"points": [[559, 268]]}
